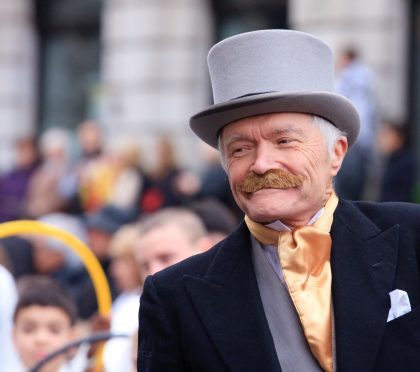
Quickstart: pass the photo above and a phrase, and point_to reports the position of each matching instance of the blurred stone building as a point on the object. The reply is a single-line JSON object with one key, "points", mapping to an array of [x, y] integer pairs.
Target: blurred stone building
{"points": [[138, 66]]}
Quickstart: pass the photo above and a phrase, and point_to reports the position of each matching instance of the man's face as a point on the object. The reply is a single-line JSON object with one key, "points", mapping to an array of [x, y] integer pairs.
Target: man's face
{"points": [[287, 142], [161, 247], [38, 331]]}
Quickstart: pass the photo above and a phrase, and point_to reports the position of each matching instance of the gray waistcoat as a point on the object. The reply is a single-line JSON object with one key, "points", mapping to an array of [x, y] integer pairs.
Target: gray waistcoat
{"points": [[290, 343]]}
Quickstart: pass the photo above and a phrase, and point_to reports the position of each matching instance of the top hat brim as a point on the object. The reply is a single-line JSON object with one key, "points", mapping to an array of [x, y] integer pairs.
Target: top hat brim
{"points": [[337, 109]]}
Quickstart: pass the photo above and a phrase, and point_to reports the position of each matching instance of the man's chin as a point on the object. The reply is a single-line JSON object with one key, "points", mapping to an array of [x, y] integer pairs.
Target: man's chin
{"points": [[264, 218], [265, 210]]}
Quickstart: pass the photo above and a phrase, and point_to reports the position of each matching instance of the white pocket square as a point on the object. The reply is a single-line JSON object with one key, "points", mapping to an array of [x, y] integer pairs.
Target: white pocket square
{"points": [[400, 304]]}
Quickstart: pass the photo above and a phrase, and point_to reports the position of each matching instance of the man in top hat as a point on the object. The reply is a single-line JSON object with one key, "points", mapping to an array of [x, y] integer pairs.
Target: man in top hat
{"points": [[308, 282]]}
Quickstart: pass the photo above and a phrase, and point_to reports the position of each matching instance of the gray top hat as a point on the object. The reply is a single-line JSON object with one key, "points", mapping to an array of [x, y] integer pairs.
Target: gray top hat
{"points": [[272, 71]]}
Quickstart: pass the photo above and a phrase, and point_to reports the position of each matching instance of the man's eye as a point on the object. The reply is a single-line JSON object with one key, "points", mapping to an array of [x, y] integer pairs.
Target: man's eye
{"points": [[284, 141], [237, 151]]}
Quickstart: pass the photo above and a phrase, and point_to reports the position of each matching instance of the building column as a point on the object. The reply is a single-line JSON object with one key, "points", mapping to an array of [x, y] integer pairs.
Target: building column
{"points": [[18, 70], [379, 28], [154, 70]]}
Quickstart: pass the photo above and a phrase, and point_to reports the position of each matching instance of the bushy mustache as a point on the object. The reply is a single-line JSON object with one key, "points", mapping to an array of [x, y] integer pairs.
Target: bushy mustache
{"points": [[274, 179]]}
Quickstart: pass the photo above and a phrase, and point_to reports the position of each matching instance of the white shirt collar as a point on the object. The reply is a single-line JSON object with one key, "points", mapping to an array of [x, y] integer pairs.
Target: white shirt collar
{"points": [[280, 226]]}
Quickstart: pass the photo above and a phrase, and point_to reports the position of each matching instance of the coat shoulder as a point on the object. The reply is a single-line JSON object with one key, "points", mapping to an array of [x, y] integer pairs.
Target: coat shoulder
{"points": [[196, 265], [368, 219], [202, 264], [387, 214]]}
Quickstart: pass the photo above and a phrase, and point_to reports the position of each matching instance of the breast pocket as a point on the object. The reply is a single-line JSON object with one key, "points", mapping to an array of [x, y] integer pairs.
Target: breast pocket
{"points": [[411, 316], [400, 346]]}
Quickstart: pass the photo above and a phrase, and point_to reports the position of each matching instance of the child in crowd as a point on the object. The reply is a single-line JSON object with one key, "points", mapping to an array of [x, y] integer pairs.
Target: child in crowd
{"points": [[44, 321]]}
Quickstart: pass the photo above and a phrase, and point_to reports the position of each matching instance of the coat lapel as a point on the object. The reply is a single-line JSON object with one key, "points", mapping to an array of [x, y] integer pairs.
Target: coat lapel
{"points": [[229, 305], [363, 263]]}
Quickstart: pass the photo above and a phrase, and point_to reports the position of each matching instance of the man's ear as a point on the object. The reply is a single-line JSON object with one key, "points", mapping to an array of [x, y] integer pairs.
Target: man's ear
{"points": [[338, 154]]}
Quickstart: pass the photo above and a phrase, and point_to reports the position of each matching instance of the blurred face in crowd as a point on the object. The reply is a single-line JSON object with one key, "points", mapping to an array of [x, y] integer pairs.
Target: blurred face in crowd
{"points": [[26, 153], [38, 331], [99, 242], [90, 137], [279, 166], [46, 260], [125, 272], [163, 246], [390, 139]]}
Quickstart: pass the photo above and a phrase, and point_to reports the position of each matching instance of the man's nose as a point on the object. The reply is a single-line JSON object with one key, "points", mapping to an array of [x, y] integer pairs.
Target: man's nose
{"points": [[264, 160]]}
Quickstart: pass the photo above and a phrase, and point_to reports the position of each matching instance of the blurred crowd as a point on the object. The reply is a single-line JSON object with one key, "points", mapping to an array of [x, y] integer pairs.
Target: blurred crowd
{"points": [[381, 165], [137, 222]]}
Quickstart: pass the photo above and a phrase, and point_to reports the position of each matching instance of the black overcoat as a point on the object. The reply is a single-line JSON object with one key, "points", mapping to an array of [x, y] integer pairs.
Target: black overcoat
{"points": [[205, 313]]}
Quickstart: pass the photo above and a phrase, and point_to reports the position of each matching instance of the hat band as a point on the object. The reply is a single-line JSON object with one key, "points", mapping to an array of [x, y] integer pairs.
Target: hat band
{"points": [[252, 94]]}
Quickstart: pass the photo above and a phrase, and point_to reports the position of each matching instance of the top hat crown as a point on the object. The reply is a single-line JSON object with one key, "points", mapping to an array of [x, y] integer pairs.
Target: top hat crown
{"points": [[272, 71]]}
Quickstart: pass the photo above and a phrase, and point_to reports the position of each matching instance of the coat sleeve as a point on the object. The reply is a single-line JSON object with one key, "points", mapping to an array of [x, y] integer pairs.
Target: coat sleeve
{"points": [[158, 348]]}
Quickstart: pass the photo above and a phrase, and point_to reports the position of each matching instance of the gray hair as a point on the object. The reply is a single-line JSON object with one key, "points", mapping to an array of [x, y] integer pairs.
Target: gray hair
{"points": [[330, 132], [188, 222]]}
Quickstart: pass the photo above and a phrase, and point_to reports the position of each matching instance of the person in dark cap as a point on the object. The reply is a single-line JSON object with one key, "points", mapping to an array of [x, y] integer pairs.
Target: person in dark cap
{"points": [[217, 218], [308, 282], [103, 224]]}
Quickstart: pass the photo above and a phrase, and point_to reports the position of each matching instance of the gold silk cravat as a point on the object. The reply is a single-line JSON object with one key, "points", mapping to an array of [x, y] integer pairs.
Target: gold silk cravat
{"points": [[305, 261]]}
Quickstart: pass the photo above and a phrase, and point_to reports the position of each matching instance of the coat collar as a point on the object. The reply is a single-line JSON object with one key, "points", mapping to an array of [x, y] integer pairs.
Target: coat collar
{"points": [[227, 301], [363, 264]]}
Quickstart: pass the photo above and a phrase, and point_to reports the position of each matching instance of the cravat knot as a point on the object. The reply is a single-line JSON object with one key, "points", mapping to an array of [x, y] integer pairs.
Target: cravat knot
{"points": [[304, 250]]}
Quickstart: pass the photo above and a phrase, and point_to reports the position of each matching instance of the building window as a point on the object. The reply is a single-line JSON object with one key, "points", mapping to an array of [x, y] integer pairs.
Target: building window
{"points": [[235, 16], [69, 55]]}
